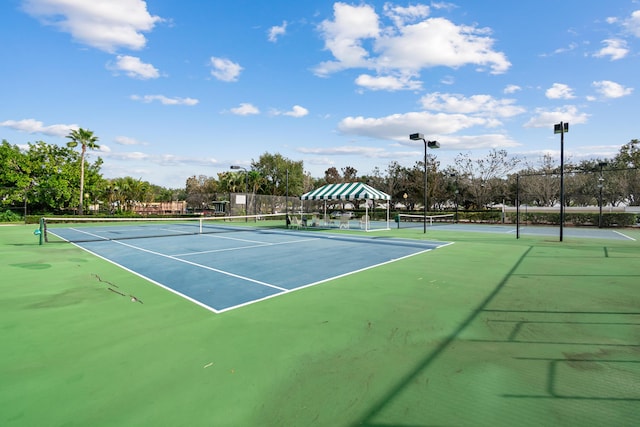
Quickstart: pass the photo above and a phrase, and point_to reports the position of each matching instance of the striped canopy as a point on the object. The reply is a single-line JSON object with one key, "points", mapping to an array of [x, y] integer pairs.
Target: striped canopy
{"points": [[345, 191]]}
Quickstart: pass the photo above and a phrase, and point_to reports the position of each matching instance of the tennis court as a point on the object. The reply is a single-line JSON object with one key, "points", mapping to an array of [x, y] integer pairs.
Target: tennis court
{"points": [[489, 331], [233, 265]]}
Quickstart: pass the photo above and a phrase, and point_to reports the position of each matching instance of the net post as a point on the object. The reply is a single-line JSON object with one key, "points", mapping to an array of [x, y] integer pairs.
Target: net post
{"points": [[42, 231], [201, 220]]}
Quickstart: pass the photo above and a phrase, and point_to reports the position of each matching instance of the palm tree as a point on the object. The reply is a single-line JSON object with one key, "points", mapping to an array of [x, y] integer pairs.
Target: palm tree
{"points": [[85, 139]]}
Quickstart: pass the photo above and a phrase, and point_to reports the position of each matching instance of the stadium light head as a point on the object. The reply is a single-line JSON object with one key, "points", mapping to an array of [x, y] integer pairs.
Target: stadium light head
{"points": [[561, 128], [236, 167], [433, 144], [416, 136]]}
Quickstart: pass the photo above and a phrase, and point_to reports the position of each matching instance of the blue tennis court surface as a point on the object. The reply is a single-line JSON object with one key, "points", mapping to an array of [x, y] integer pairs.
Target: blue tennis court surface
{"points": [[222, 271]]}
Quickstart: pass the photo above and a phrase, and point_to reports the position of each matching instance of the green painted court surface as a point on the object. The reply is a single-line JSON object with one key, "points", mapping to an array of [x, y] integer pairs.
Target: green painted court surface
{"points": [[489, 331]]}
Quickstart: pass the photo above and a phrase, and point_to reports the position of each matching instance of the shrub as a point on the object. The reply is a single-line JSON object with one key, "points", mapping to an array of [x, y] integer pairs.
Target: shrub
{"points": [[10, 216]]}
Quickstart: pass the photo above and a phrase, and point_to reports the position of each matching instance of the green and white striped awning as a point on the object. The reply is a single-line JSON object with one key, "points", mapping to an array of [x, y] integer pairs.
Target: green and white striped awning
{"points": [[346, 191]]}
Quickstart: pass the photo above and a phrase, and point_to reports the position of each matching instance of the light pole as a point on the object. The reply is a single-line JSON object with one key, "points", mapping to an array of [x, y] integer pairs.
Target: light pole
{"points": [[561, 128], [246, 190], [600, 185], [430, 144]]}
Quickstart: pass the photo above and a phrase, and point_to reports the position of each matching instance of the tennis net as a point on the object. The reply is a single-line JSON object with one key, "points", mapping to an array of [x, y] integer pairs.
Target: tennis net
{"points": [[87, 229], [415, 220]]}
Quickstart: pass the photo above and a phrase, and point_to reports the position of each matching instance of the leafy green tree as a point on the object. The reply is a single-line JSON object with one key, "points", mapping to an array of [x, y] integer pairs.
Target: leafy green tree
{"points": [[274, 170], [130, 192], [14, 174], [44, 176], [56, 175], [85, 139], [201, 190], [163, 194], [629, 155], [256, 182], [628, 177], [230, 182]]}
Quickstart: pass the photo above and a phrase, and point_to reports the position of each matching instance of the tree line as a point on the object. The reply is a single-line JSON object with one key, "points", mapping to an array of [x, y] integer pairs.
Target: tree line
{"points": [[47, 178]]}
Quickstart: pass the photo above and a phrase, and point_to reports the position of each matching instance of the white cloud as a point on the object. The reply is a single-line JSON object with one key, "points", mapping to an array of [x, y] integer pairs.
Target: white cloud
{"points": [[297, 111], [349, 150], [413, 150], [572, 46], [245, 109], [609, 89], [448, 80], [512, 89], [559, 91], [400, 15], [35, 126], [104, 24], [225, 69], [402, 48], [390, 83], [482, 141], [134, 67], [399, 126], [165, 100], [614, 48], [135, 155], [344, 35], [632, 24], [480, 105], [277, 31], [125, 140], [158, 159], [439, 42], [547, 118]]}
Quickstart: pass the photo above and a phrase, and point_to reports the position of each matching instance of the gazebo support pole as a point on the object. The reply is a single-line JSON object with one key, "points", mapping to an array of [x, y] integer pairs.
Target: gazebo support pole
{"points": [[366, 215]]}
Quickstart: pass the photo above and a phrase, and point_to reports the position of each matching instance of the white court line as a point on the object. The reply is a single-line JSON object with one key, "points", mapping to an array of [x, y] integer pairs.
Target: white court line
{"points": [[87, 233], [237, 276], [259, 245], [173, 291], [308, 285], [215, 236], [624, 235], [117, 231]]}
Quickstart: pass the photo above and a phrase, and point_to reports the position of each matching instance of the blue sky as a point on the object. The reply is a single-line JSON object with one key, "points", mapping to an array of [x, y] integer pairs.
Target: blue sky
{"points": [[180, 88]]}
